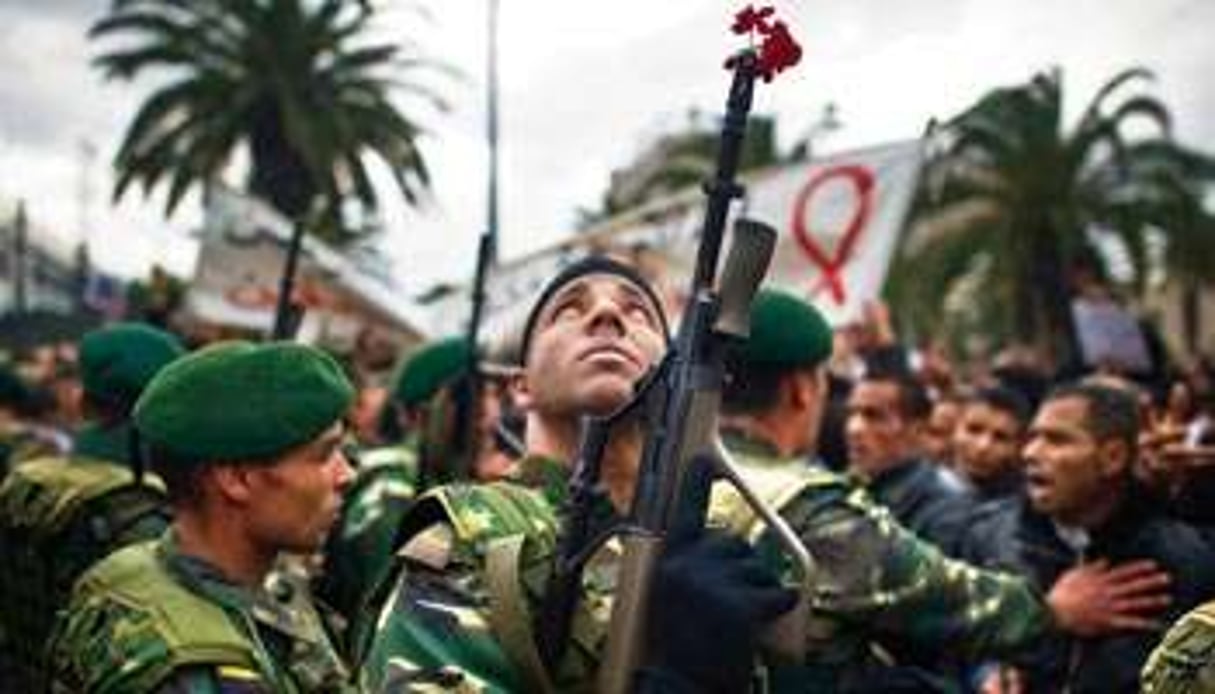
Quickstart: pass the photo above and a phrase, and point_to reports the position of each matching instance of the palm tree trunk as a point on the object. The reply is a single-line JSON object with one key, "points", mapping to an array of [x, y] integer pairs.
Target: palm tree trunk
{"points": [[1191, 315]]}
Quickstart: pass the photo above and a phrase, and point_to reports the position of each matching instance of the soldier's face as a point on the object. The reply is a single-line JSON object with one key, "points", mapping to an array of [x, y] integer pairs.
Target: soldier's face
{"points": [[592, 341], [298, 498], [987, 442], [1069, 472]]}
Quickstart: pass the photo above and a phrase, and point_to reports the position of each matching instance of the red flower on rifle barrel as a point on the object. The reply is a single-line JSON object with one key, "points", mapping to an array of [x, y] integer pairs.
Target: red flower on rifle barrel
{"points": [[777, 51]]}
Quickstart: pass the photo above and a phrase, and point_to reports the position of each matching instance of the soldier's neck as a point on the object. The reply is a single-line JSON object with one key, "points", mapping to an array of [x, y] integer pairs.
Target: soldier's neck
{"points": [[621, 458], [214, 538]]}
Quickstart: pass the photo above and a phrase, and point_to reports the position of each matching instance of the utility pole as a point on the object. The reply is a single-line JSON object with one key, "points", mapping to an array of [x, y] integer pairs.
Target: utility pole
{"points": [[491, 131], [20, 251]]}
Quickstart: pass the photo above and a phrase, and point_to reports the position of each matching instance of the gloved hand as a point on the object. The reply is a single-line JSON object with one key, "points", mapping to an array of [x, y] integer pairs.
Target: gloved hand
{"points": [[712, 598]]}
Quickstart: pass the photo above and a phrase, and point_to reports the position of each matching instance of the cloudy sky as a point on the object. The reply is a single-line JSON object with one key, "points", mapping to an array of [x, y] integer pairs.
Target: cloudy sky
{"points": [[585, 85]]}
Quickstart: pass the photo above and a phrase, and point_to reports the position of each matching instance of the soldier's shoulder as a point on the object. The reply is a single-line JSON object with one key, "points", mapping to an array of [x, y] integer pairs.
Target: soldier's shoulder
{"points": [[130, 625], [482, 513], [1185, 659]]}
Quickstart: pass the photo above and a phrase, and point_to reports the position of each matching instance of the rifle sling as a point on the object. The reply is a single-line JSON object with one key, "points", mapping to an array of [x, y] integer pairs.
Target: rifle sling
{"points": [[508, 613]]}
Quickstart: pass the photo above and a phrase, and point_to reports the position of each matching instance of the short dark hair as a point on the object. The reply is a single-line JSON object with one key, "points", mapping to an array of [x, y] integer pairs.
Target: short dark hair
{"points": [[1005, 400], [913, 401], [751, 388], [1110, 413], [178, 472]]}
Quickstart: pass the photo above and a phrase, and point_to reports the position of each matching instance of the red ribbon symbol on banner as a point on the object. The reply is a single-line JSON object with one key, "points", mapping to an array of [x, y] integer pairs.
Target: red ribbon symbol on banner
{"points": [[832, 266]]}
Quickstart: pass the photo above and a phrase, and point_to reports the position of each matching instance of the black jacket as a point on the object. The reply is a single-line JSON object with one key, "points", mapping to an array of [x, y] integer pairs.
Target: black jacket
{"points": [[1011, 536], [921, 497]]}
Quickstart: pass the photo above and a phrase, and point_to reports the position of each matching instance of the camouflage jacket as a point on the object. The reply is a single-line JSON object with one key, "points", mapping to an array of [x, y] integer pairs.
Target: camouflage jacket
{"points": [[874, 580], [1184, 662], [58, 516], [19, 442], [438, 632], [360, 546], [473, 568], [149, 618]]}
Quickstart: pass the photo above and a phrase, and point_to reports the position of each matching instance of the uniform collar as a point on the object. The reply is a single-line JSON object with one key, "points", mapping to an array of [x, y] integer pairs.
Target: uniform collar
{"points": [[111, 444]]}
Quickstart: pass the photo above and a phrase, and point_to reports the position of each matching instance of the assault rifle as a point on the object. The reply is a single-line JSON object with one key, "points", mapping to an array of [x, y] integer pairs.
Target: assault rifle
{"points": [[677, 404], [459, 426]]}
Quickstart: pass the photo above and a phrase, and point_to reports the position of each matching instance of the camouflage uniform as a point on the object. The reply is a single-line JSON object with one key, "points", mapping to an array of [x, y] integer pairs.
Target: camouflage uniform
{"points": [[474, 563], [1184, 662], [874, 577], [20, 442], [149, 618], [57, 517], [439, 631], [361, 544]]}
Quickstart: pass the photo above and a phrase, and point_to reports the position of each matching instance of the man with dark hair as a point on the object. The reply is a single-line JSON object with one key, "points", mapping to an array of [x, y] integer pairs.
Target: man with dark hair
{"points": [[987, 442], [1081, 508], [877, 585], [247, 439], [475, 557], [938, 431], [886, 417], [60, 514]]}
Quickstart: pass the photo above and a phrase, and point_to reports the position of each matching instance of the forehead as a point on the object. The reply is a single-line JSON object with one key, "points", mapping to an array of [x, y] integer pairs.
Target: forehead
{"points": [[1060, 413], [874, 394], [987, 414], [601, 284]]}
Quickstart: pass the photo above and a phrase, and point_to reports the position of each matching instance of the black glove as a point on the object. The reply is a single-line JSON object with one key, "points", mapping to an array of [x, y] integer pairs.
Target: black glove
{"points": [[712, 598]]}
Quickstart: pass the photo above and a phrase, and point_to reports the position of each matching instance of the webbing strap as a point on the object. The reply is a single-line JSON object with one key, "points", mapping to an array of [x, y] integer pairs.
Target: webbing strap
{"points": [[508, 613]]}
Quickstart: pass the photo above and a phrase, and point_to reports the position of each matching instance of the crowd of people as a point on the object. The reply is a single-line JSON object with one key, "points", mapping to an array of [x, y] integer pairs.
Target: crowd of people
{"points": [[263, 517]]}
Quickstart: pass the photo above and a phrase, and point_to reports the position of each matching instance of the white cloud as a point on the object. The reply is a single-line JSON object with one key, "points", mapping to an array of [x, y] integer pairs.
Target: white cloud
{"points": [[584, 84]]}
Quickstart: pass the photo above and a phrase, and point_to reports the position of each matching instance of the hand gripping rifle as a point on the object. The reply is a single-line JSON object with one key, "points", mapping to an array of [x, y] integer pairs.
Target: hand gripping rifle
{"points": [[678, 405]]}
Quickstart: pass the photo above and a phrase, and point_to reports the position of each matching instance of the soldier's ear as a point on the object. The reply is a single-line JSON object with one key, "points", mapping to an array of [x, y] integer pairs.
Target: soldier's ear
{"points": [[522, 395], [234, 482]]}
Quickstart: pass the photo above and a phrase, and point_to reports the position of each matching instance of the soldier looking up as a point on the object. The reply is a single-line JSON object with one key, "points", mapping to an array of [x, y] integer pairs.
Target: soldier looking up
{"points": [[476, 557]]}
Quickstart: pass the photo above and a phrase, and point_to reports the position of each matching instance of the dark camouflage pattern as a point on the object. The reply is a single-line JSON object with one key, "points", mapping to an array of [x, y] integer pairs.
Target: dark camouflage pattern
{"points": [[360, 547], [437, 631], [1184, 662], [874, 578], [149, 618], [58, 516]]}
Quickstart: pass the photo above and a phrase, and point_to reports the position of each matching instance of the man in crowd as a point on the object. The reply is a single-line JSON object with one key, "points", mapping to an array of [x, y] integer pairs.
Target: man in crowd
{"points": [[877, 585], [987, 443], [1081, 508], [60, 514], [247, 439], [887, 413], [938, 432], [453, 623]]}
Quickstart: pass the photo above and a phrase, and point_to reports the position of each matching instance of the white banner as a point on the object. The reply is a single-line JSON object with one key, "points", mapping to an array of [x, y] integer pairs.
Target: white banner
{"points": [[838, 218], [240, 265]]}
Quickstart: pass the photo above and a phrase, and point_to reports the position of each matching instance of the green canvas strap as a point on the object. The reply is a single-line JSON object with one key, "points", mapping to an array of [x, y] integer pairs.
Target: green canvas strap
{"points": [[508, 613]]}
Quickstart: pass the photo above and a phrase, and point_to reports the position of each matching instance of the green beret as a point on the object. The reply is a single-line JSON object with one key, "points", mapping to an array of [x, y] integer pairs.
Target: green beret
{"points": [[786, 331], [430, 368], [14, 393], [117, 361], [238, 400]]}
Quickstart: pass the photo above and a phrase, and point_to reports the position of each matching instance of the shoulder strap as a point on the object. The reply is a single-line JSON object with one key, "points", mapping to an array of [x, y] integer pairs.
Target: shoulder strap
{"points": [[508, 612], [192, 630]]}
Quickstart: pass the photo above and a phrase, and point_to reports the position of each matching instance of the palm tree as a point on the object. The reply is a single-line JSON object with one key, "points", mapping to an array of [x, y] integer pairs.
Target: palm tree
{"points": [[293, 82], [1011, 199]]}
